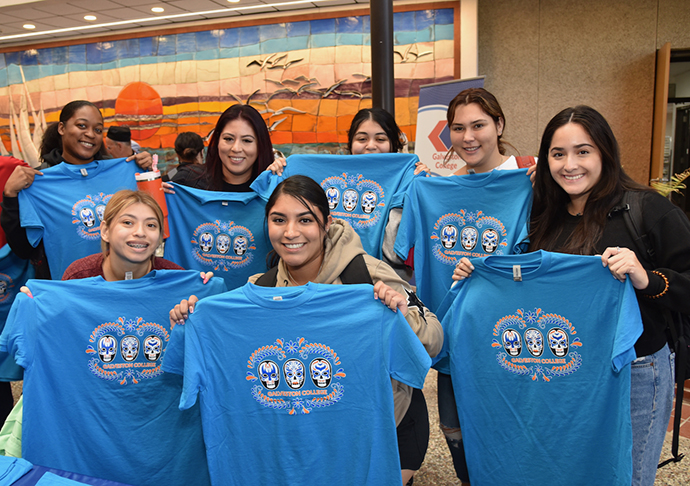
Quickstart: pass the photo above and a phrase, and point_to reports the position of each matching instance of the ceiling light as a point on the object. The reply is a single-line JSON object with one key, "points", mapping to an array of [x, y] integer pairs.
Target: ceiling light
{"points": [[81, 28], [234, 1], [29, 26], [89, 17], [158, 9]]}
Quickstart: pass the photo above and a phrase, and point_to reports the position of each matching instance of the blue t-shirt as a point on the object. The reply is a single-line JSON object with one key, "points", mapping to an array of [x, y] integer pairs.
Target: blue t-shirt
{"points": [[447, 218], [541, 370], [222, 232], [361, 189], [96, 401], [14, 272], [296, 387], [65, 206]]}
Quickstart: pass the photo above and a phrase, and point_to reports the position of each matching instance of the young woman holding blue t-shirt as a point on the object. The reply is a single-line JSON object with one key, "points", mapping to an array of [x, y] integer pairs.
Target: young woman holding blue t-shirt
{"points": [[77, 139], [579, 208], [311, 246]]}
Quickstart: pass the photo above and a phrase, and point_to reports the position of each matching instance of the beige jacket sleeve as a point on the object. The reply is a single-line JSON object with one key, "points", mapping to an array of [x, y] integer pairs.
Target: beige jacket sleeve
{"points": [[423, 322]]}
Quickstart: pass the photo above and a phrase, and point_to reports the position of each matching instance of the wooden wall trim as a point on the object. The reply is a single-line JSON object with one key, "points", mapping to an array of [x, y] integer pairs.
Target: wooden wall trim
{"points": [[663, 66]]}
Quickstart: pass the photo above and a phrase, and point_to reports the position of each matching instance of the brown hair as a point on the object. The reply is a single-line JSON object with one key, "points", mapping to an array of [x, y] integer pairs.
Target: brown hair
{"points": [[550, 203], [123, 199], [489, 105]]}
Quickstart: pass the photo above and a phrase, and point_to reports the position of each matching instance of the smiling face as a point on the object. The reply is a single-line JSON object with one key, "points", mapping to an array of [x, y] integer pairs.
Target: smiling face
{"points": [[238, 151], [574, 163], [82, 135], [297, 236], [370, 138], [474, 137], [133, 235]]}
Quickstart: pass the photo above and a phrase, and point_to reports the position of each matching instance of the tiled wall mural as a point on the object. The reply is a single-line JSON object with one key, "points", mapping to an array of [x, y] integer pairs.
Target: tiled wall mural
{"points": [[308, 78]]}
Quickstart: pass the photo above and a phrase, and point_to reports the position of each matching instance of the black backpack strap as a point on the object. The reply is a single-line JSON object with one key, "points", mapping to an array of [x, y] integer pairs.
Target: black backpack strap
{"points": [[268, 279], [356, 272], [632, 216]]}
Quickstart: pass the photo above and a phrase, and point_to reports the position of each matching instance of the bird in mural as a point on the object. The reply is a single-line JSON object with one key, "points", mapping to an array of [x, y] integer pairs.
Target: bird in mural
{"points": [[304, 87], [250, 96], [302, 77], [273, 125], [209, 135], [267, 60], [237, 98], [291, 81], [288, 109], [425, 53], [279, 83], [362, 75], [332, 87], [354, 93]]}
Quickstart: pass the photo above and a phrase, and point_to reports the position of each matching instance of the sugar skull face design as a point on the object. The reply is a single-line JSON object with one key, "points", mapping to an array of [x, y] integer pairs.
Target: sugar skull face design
{"points": [[558, 342], [534, 342], [239, 246], [3, 288], [369, 201], [293, 369], [100, 211], [468, 238], [489, 240], [512, 342], [320, 372], [107, 348], [152, 347], [333, 196], [87, 218], [449, 236], [129, 347], [269, 374], [223, 244], [350, 198], [206, 241]]}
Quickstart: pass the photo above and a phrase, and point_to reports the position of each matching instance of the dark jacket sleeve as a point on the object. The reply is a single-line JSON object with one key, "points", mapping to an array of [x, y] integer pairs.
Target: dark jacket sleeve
{"points": [[16, 234], [669, 231], [18, 241]]}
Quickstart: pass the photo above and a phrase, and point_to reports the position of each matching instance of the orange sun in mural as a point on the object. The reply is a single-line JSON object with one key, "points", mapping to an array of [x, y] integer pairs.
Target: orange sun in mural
{"points": [[139, 107]]}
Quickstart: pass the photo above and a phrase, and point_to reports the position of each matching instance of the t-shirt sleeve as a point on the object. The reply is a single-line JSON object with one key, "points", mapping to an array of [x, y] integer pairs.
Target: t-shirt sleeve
{"points": [[173, 357], [30, 219], [13, 339], [194, 365], [405, 238], [628, 328], [407, 177], [265, 184], [408, 361]]}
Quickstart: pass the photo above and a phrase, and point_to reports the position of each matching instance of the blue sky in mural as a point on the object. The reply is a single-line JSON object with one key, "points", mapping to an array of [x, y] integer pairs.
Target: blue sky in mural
{"points": [[409, 27]]}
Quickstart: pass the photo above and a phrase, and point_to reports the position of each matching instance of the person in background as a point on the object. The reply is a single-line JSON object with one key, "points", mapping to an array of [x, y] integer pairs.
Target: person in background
{"points": [[119, 142], [189, 148], [238, 151]]}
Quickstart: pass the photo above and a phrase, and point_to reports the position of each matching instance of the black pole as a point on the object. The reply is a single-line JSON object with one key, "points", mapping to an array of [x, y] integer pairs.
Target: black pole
{"points": [[382, 73]]}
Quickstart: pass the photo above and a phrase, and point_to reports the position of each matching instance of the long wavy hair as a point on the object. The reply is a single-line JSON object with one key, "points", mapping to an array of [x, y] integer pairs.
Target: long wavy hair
{"points": [[550, 204], [387, 123], [53, 140], [213, 169]]}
